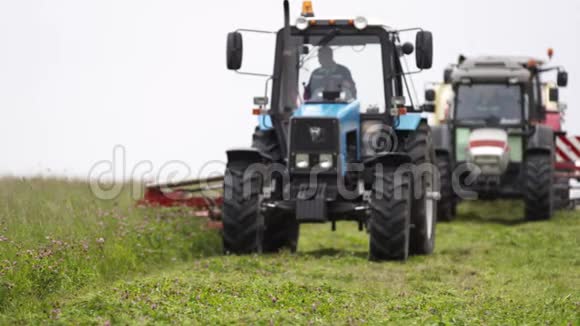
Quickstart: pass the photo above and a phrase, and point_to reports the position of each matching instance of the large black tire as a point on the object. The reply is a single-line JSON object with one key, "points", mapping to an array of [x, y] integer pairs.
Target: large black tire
{"points": [[281, 233], [538, 190], [281, 228], [240, 212], [419, 146], [390, 217], [446, 208]]}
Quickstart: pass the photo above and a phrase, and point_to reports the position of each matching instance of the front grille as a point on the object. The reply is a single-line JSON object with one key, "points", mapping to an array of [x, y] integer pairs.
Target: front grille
{"points": [[314, 135]]}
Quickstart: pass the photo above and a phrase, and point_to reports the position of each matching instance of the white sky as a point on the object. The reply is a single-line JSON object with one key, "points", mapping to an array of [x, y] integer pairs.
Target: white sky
{"points": [[78, 77]]}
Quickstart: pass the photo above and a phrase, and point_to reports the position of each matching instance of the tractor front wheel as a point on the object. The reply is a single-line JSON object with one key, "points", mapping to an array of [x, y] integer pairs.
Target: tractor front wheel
{"points": [[241, 211], [389, 224]]}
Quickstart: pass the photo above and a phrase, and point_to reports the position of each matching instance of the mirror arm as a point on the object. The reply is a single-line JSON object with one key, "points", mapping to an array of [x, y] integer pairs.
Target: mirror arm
{"points": [[406, 82], [244, 30], [253, 74], [406, 73], [419, 29], [558, 68]]}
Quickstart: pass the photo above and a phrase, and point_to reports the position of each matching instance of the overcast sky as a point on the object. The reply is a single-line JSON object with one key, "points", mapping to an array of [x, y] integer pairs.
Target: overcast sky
{"points": [[78, 77]]}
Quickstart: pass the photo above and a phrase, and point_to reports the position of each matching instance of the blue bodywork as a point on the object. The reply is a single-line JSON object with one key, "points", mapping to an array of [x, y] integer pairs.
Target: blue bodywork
{"points": [[348, 116], [265, 122], [408, 122]]}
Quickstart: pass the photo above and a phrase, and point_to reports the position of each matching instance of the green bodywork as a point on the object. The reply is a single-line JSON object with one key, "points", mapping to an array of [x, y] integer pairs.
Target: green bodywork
{"points": [[461, 143], [516, 144]]}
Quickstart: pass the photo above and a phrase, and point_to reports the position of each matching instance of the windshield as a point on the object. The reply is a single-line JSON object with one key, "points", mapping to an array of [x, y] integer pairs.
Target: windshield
{"points": [[489, 104], [334, 68]]}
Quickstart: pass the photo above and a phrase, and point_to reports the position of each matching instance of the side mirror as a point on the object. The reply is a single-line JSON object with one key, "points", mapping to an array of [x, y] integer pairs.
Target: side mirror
{"points": [[554, 95], [234, 51], [447, 75], [424, 52], [430, 95], [562, 78]]}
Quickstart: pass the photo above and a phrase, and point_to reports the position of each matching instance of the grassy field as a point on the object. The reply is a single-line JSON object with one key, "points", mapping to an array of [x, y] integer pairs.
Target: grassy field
{"points": [[68, 258]]}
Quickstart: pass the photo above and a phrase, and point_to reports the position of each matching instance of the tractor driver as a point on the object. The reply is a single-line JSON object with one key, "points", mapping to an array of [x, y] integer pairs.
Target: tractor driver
{"points": [[331, 76]]}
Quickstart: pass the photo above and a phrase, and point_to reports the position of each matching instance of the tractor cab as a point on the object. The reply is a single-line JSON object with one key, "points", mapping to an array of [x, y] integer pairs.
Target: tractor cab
{"points": [[338, 69], [500, 91]]}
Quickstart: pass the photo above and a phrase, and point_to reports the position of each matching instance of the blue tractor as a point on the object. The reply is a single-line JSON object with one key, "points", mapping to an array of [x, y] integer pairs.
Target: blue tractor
{"points": [[336, 141]]}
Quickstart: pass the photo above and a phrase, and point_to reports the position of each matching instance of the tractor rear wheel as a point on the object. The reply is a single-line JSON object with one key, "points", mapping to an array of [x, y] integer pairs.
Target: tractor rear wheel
{"points": [[241, 211], [446, 209], [420, 148], [390, 219], [538, 186]]}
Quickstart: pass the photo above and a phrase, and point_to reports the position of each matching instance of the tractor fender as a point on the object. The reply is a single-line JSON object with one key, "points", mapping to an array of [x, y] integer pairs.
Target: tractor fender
{"points": [[247, 156], [441, 139], [542, 140], [265, 122]]}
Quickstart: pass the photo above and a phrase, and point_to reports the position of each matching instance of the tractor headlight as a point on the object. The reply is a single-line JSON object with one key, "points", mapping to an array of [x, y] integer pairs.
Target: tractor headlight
{"points": [[326, 161], [302, 23], [302, 161]]}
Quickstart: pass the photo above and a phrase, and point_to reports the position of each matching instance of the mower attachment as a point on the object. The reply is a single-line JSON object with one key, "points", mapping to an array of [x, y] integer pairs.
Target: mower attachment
{"points": [[203, 195]]}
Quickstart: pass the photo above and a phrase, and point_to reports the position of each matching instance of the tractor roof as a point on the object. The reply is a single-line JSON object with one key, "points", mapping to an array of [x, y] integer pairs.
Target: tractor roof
{"points": [[494, 69]]}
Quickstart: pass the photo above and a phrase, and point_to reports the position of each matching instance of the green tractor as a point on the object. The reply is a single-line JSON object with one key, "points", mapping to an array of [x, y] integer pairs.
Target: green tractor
{"points": [[495, 142]]}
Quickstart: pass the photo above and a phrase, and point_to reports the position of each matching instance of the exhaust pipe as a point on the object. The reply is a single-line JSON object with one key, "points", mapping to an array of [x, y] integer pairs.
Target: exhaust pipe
{"points": [[287, 14]]}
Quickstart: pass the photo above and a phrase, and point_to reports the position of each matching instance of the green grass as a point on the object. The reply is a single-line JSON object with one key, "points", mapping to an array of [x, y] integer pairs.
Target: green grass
{"points": [[57, 238], [163, 267]]}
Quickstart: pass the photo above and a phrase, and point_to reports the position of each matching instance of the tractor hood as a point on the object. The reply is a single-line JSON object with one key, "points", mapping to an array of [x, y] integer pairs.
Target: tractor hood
{"points": [[348, 114], [348, 117], [489, 149]]}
